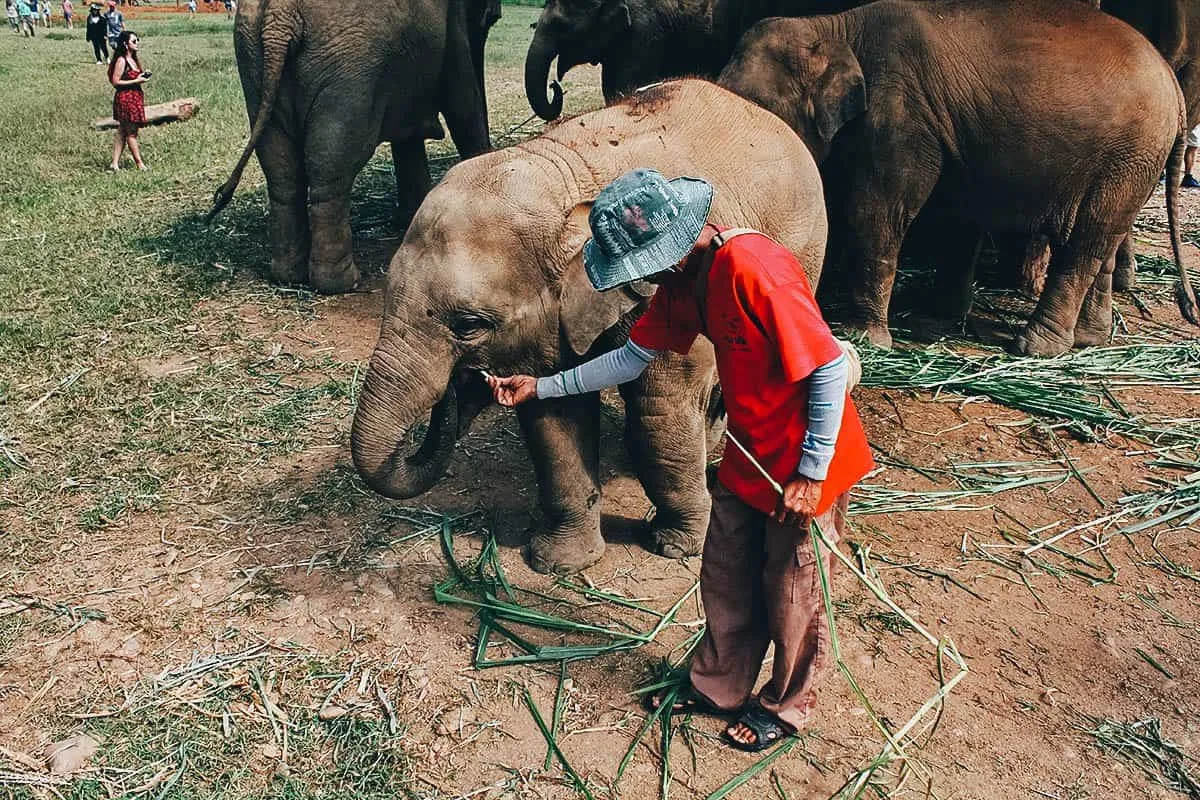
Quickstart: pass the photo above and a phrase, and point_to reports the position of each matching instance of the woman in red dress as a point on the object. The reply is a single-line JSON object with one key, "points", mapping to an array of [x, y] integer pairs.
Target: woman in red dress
{"points": [[129, 105]]}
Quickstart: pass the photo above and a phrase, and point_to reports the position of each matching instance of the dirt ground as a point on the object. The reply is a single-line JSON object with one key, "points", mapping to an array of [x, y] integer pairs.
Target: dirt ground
{"points": [[303, 567]]}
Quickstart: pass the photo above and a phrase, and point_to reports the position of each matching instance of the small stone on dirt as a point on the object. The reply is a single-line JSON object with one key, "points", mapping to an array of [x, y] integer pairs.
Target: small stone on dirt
{"points": [[68, 756], [270, 751], [331, 712]]}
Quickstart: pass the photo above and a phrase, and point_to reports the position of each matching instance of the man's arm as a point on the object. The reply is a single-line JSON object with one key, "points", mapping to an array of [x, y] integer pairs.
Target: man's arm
{"points": [[618, 366], [826, 402], [615, 367]]}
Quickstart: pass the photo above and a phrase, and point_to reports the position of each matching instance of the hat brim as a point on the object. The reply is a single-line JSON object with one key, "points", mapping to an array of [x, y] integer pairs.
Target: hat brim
{"points": [[671, 247]]}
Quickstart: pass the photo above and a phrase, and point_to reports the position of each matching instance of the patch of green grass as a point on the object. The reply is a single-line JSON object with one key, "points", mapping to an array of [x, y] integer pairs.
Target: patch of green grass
{"points": [[208, 736]]}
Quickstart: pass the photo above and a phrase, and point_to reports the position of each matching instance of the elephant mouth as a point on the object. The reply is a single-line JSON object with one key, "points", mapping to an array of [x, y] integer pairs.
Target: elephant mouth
{"points": [[473, 396]]}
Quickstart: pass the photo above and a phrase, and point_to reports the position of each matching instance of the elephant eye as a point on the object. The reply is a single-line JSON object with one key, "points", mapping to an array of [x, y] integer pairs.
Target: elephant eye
{"points": [[470, 326]]}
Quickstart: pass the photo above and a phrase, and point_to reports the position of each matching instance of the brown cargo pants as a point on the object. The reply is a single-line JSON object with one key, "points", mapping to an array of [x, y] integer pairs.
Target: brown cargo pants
{"points": [[760, 585]]}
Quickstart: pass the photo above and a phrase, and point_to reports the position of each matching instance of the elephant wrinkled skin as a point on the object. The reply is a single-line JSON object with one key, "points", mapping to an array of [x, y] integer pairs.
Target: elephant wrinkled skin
{"points": [[324, 84], [642, 41], [490, 277], [1172, 26], [899, 102]]}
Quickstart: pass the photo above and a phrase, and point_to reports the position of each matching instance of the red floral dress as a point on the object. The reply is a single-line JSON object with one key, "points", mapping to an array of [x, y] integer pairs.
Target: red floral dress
{"points": [[129, 104]]}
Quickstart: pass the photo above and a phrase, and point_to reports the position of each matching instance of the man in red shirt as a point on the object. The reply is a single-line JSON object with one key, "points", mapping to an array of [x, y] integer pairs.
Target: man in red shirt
{"points": [[784, 379]]}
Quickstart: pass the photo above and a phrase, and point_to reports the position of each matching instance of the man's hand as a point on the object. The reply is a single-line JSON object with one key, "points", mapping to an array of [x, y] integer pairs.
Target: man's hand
{"points": [[514, 390], [799, 502]]}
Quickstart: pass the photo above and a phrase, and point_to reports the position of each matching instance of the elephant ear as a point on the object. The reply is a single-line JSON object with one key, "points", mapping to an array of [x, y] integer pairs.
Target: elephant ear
{"points": [[840, 94], [584, 313]]}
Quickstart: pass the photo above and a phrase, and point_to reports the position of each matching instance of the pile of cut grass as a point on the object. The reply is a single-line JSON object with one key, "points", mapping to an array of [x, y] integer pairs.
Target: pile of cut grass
{"points": [[501, 607], [974, 480], [1142, 745], [1076, 388], [510, 616]]}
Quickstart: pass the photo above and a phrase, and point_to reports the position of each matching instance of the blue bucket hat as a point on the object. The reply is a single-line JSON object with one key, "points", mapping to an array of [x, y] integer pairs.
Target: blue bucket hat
{"points": [[643, 224]]}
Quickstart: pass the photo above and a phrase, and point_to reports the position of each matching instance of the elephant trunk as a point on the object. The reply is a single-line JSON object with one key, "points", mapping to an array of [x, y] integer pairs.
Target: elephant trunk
{"points": [[391, 402], [542, 51]]}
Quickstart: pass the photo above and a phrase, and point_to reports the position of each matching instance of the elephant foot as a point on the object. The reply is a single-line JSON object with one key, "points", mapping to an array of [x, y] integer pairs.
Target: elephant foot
{"points": [[290, 269], [337, 278], [1092, 335], [1038, 340], [564, 554], [880, 336], [676, 542], [876, 334], [1124, 277]]}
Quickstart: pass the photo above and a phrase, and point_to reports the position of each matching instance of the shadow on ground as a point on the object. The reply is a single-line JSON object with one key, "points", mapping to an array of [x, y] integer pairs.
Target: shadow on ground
{"points": [[237, 240]]}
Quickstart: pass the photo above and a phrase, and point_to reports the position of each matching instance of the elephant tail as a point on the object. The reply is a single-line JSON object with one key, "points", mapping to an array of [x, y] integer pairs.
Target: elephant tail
{"points": [[1185, 295], [280, 33]]}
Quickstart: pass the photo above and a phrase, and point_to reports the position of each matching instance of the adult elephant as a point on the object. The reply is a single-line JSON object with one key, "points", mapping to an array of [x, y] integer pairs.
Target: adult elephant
{"points": [[324, 84], [490, 277], [642, 41], [902, 102], [1172, 26]]}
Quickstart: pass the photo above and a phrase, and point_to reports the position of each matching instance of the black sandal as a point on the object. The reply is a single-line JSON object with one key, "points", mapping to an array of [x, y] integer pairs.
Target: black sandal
{"points": [[768, 729], [687, 701]]}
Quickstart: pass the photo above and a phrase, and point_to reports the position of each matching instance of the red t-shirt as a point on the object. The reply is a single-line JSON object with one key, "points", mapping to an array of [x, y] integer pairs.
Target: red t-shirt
{"points": [[769, 336]]}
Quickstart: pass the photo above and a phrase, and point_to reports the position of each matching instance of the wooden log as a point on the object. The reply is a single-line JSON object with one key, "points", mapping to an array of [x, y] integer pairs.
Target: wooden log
{"points": [[180, 110]]}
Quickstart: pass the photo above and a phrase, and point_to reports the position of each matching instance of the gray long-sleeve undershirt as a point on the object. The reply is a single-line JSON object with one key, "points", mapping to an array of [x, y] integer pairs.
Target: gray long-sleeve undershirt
{"points": [[826, 397]]}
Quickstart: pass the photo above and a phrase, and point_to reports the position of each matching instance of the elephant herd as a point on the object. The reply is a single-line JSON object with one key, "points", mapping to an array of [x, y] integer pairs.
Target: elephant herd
{"points": [[1048, 119]]}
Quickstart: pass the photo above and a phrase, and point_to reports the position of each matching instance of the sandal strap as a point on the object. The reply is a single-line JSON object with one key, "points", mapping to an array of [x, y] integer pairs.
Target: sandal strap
{"points": [[763, 724]]}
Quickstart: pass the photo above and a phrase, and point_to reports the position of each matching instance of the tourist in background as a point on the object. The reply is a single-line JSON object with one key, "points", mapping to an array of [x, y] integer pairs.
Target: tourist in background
{"points": [[26, 12], [68, 9], [116, 24], [97, 33], [10, 9], [126, 75], [191, 8]]}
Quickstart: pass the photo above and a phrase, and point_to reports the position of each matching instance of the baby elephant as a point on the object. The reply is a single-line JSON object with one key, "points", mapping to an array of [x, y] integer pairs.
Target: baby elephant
{"points": [[1041, 117], [490, 277]]}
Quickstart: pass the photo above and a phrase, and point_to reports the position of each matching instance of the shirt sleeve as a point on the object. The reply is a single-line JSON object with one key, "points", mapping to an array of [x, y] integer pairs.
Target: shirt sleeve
{"points": [[672, 321], [609, 369], [826, 404], [792, 321]]}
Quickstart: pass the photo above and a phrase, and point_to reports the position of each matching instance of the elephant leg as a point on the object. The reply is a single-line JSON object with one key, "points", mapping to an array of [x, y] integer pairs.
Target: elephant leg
{"points": [[564, 442], [1125, 271], [882, 203], [1074, 267], [1031, 279], [412, 178], [665, 429], [873, 254], [336, 148], [465, 109], [954, 273], [331, 267], [1095, 316], [283, 166]]}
